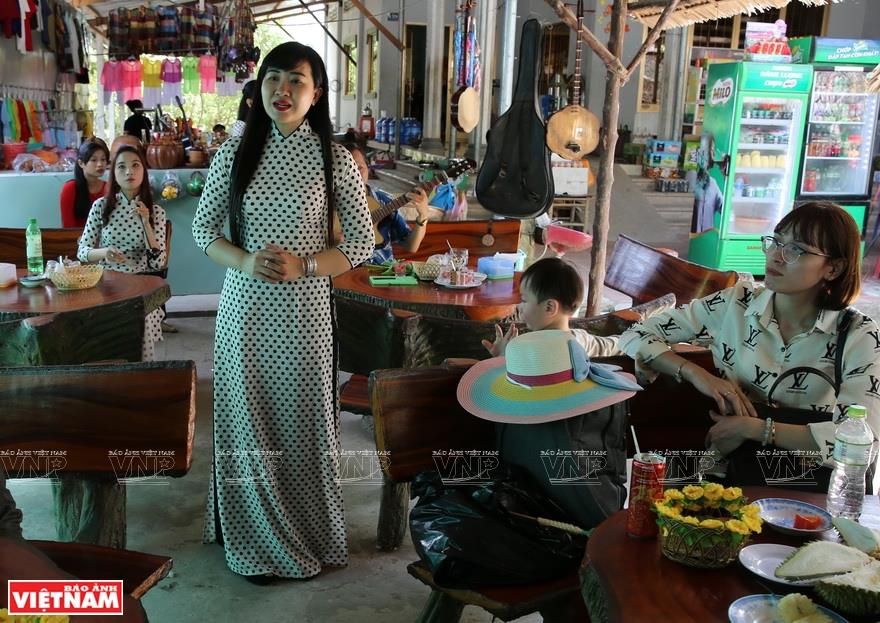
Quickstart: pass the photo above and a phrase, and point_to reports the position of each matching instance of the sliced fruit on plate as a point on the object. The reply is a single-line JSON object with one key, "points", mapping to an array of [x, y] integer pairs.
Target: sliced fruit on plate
{"points": [[807, 522], [856, 593], [858, 536], [821, 558], [797, 608]]}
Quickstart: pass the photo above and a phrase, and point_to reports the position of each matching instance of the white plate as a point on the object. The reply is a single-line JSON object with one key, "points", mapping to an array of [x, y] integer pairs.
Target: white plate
{"points": [[480, 277], [763, 559], [780, 512], [763, 609]]}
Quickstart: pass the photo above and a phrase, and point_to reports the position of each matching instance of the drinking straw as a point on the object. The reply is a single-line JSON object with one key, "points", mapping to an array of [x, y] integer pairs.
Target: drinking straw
{"points": [[635, 439]]}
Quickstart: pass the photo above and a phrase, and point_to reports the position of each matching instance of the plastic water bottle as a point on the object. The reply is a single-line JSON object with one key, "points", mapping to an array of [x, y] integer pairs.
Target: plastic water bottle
{"points": [[852, 454], [34, 245], [738, 186]]}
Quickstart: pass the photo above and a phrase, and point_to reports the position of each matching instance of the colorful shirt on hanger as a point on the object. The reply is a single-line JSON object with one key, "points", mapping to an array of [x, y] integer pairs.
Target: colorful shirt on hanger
{"points": [[205, 28], [187, 29], [152, 69], [191, 78], [172, 79], [208, 72], [131, 80], [10, 18], [111, 80], [169, 28], [27, 8]]}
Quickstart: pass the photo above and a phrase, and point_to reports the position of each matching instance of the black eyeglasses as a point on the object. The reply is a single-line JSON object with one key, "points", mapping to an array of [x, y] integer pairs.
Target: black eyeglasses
{"points": [[791, 252]]}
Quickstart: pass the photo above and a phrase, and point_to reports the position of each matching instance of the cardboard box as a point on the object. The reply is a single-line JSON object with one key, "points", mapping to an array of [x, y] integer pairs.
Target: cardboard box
{"points": [[661, 159], [657, 145]]}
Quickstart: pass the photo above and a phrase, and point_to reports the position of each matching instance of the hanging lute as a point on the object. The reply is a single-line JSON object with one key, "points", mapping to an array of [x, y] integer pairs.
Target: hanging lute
{"points": [[573, 132], [465, 112]]}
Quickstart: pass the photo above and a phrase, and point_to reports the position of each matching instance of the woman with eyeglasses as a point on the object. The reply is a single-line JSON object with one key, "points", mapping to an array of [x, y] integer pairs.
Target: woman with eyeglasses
{"points": [[756, 332], [87, 185]]}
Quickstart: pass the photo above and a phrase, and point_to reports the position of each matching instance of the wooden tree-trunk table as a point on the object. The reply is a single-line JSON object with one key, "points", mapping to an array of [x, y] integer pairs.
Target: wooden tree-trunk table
{"points": [[492, 300], [374, 316], [45, 326], [626, 579]]}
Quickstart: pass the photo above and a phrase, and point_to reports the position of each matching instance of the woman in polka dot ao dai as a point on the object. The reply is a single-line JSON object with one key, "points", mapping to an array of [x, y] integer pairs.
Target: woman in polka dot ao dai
{"points": [[274, 499], [125, 232]]}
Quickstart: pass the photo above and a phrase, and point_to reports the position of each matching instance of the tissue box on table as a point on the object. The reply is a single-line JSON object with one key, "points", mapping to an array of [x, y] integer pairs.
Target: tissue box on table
{"points": [[7, 275]]}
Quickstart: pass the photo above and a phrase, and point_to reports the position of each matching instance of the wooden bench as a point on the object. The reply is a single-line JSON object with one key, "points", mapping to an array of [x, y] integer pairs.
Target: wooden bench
{"points": [[644, 273], [469, 235], [91, 429], [416, 412]]}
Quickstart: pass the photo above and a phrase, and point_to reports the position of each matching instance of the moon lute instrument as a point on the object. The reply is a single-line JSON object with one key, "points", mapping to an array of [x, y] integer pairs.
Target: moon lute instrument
{"points": [[573, 132], [465, 107]]}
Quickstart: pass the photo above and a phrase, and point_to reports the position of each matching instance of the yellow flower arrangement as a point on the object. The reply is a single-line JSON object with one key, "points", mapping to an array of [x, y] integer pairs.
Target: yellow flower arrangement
{"points": [[705, 525], [5, 617]]}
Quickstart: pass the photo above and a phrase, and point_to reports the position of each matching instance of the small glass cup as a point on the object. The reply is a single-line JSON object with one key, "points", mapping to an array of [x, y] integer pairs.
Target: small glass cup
{"points": [[458, 258]]}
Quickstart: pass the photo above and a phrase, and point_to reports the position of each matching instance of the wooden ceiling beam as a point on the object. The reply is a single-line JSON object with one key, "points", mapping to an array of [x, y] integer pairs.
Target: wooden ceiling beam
{"points": [[372, 18]]}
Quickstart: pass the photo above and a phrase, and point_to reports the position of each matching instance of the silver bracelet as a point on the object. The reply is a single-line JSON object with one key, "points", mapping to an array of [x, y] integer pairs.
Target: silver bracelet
{"points": [[311, 268], [769, 429]]}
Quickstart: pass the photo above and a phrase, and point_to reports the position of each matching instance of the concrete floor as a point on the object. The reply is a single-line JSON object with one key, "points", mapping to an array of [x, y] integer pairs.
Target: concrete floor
{"points": [[167, 519]]}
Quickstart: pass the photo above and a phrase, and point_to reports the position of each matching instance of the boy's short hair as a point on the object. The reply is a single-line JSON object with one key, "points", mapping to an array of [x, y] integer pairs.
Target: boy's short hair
{"points": [[219, 128], [554, 278]]}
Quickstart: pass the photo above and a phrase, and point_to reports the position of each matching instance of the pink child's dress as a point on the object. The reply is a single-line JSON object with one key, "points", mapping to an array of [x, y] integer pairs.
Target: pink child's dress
{"points": [[208, 73], [172, 77]]}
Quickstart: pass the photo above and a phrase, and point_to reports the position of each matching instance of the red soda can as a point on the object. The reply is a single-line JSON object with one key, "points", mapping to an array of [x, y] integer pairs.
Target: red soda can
{"points": [[645, 486]]}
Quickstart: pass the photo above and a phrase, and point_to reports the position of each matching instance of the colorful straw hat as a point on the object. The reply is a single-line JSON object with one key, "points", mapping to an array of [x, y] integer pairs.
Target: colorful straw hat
{"points": [[544, 376]]}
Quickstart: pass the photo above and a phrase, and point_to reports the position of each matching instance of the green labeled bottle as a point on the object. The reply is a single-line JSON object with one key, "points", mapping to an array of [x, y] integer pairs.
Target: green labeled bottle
{"points": [[34, 248]]}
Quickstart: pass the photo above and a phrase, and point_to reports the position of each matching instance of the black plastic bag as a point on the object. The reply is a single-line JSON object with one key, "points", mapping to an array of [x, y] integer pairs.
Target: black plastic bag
{"points": [[467, 537]]}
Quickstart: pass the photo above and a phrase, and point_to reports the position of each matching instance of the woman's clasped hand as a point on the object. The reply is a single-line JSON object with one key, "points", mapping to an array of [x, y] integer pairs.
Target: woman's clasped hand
{"points": [[273, 264]]}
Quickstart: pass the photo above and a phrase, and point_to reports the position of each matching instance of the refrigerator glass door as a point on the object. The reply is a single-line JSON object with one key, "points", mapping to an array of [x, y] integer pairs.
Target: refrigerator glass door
{"points": [[840, 134], [764, 164]]}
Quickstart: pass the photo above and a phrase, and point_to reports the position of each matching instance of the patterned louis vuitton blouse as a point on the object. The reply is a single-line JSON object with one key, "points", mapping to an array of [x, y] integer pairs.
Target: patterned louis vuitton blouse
{"points": [[738, 326]]}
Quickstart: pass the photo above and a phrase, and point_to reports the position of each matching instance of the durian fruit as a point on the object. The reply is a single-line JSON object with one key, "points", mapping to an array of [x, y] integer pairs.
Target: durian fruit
{"points": [[856, 593], [858, 536], [795, 607], [821, 558]]}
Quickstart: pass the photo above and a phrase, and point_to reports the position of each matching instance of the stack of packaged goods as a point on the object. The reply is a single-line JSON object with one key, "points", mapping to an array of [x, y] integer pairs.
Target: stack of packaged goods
{"points": [[662, 158]]}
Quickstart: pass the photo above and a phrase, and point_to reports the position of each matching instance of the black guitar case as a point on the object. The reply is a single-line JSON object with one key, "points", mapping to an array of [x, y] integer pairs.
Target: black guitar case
{"points": [[515, 179]]}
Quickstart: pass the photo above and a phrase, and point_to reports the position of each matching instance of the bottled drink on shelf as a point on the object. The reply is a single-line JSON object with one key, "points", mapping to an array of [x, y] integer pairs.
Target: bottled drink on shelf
{"points": [[853, 443], [34, 246]]}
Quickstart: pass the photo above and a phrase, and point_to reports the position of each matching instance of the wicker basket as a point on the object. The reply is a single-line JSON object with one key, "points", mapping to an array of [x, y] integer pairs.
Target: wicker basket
{"points": [[77, 277], [696, 546]]}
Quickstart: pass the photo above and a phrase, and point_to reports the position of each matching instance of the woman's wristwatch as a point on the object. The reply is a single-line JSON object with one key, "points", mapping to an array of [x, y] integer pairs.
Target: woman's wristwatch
{"points": [[421, 223]]}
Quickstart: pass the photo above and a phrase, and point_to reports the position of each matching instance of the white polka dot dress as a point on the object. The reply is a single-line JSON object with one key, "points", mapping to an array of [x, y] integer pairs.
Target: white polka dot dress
{"points": [[274, 500], [125, 232]]}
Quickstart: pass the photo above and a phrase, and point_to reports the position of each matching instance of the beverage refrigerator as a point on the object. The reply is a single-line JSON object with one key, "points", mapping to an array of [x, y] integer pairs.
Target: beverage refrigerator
{"points": [[842, 123], [748, 160]]}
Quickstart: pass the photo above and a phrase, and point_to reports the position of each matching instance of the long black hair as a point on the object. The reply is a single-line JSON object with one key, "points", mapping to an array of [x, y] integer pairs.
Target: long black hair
{"points": [[145, 193], [81, 202], [247, 92], [258, 125]]}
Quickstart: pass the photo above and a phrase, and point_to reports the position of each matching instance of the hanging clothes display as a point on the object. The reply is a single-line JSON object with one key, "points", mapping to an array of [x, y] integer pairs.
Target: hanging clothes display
{"points": [[172, 79], [111, 80], [131, 80], [235, 38], [169, 28], [152, 80], [191, 78], [208, 73]]}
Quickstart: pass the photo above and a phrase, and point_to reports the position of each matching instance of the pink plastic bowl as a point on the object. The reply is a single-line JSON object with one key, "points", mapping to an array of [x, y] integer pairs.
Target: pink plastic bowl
{"points": [[568, 239]]}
